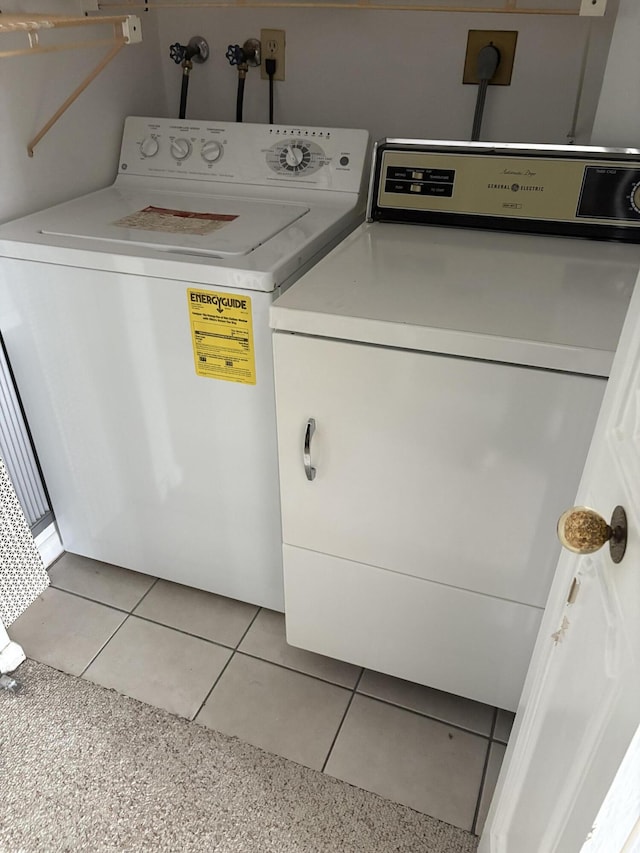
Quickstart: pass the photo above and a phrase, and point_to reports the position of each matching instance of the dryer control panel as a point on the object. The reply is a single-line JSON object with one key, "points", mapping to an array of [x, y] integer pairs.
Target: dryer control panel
{"points": [[569, 190], [239, 153]]}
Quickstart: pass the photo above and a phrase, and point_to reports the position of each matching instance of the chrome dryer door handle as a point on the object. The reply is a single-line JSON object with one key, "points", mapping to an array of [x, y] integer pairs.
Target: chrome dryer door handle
{"points": [[309, 470]]}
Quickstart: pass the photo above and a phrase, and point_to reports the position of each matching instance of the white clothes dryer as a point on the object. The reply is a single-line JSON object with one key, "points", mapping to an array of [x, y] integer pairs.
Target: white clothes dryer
{"points": [[136, 323], [437, 389]]}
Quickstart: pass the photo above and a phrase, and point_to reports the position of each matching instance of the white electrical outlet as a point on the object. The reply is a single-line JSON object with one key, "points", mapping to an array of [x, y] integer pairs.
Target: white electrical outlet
{"points": [[273, 44], [595, 8]]}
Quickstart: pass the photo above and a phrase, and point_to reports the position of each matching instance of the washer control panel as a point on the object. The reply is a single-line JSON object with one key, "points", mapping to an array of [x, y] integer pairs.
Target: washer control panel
{"points": [[260, 154]]}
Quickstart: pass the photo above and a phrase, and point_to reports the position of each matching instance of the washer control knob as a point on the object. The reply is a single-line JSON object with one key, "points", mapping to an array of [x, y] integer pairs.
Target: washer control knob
{"points": [[180, 149], [635, 198], [149, 146], [211, 151]]}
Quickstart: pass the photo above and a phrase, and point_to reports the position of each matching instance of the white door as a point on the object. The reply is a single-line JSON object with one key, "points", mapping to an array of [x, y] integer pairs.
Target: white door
{"points": [[580, 708]]}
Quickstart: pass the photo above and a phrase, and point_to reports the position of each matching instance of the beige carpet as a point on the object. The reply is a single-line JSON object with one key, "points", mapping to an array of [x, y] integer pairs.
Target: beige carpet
{"points": [[85, 769]]}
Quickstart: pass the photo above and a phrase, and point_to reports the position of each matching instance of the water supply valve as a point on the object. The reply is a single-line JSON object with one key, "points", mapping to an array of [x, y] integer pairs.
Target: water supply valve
{"points": [[235, 54], [185, 55], [243, 57], [177, 52], [197, 50]]}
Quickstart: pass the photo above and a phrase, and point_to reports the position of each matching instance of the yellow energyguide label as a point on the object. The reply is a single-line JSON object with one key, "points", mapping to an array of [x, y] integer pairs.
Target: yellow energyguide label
{"points": [[222, 335]]}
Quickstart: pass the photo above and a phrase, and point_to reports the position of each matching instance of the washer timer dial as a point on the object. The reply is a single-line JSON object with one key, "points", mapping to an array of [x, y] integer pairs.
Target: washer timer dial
{"points": [[295, 156], [635, 197]]}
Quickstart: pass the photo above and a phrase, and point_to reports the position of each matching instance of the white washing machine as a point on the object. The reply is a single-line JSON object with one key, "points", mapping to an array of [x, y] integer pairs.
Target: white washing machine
{"points": [[136, 322], [437, 389]]}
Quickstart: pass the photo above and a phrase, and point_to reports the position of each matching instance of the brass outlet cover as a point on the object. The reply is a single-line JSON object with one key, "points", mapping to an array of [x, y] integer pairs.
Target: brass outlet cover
{"points": [[273, 46], [504, 40]]}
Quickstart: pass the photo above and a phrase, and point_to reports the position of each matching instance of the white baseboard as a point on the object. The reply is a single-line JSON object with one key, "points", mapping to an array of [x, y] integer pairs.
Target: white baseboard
{"points": [[49, 545], [11, 656]]}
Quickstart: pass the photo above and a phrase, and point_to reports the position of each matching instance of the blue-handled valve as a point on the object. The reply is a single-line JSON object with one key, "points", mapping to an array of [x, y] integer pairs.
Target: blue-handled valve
{"points": [[248, 54], [235, 55], [197, 50], [177, 52]]}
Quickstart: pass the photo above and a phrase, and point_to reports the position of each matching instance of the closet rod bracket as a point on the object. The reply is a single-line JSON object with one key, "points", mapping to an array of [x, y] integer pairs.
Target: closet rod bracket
{"points": [[126, 31]]}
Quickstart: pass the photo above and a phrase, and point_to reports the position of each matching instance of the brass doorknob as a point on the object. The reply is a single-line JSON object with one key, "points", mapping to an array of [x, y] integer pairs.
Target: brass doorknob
{"points": [[584, 531]]}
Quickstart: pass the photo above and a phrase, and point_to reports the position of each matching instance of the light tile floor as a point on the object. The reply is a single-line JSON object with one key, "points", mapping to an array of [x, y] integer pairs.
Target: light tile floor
{"points": [[226, 665]]}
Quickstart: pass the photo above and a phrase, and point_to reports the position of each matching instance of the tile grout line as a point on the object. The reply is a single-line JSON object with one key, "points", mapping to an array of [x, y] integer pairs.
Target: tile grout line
{"points": [[234, 649], [247, 629], [344, 717], [128, 613], [426, 716], [249, 626], [103, 603], [421, 714], [355, 690], [185, 633], [148, 618], [153, 585], [118, 610], [293, 669], [55, 562], [104, 645], [483, 778]]}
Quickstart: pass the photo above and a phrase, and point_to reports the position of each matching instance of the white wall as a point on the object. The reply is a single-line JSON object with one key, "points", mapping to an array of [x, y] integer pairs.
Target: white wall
{"points": [[618, 116], [395, 73], [80, 152]]}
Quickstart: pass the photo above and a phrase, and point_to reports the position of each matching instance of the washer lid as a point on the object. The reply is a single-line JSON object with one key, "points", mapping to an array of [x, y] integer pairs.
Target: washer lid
{"points": [[210, 225]]}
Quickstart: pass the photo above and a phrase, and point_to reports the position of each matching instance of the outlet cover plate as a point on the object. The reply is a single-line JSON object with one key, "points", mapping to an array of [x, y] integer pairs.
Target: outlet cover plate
{"points": [[504, 40], [273, 45]]}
